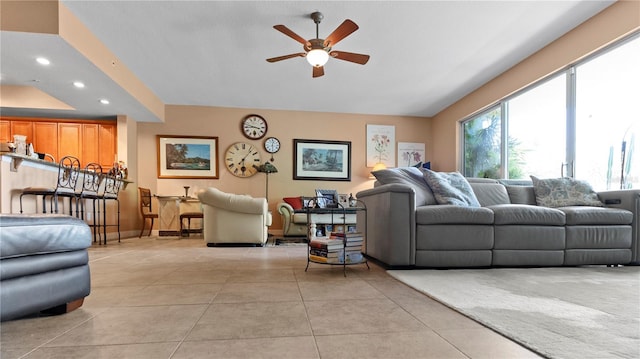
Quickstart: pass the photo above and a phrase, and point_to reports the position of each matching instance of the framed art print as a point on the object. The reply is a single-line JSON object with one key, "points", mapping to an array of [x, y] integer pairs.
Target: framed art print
{"points": [[410, 154], [321, 160], [381, 141], [187, 156]]}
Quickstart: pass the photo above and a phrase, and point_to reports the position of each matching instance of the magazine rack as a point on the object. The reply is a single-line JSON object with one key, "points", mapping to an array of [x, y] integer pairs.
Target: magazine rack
{"points": [[338, 212]]}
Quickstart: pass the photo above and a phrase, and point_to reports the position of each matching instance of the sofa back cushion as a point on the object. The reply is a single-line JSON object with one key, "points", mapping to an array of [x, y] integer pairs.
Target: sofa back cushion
{"points": [[521, 195], [490, 194], [410, 176]]}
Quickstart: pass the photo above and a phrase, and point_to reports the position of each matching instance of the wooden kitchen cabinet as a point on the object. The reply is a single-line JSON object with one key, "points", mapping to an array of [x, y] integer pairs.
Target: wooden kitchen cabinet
{"points": [[5, 131], [90, 143], [24, 128], [90, 140], [70, 140], [107, 145], [45, 138]]}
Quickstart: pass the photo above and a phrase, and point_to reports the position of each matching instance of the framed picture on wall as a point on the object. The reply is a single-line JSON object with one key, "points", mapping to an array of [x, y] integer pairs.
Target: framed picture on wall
{"points": [[410, 153], [187, 156], [381, 142], [321, 160]]}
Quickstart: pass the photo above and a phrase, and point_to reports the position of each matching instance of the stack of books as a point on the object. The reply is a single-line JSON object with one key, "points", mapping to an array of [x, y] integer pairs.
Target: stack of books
{"points": [[337, 248]]}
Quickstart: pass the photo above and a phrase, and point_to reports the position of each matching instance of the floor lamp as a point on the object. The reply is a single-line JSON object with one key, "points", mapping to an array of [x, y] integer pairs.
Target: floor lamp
{"points": [[266, 168]]}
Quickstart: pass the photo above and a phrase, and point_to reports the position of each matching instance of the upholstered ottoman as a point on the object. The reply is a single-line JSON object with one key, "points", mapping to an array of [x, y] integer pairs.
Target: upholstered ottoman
{"points": [[44, 264]]}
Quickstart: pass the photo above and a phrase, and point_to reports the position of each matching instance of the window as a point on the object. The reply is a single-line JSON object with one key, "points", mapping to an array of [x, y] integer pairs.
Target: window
{"points": [[548, 134], [482, 142], [608, 118]]}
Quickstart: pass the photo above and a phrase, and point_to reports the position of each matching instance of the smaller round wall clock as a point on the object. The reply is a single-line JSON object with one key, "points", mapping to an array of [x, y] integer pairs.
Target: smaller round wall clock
{"points": [[272, 145], [240, 159], [254, 127]]}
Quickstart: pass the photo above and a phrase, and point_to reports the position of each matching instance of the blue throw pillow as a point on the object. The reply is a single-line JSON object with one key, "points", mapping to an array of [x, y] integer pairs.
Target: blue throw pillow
{"points": [[451, 188]]}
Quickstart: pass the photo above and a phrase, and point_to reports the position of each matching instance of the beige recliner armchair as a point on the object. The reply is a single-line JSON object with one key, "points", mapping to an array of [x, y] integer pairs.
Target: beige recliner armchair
{"points": [[234, 218]]}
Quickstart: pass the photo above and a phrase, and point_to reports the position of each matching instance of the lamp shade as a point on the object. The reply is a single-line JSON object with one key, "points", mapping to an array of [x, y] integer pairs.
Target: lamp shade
{"points": [[317, 57], [379, 166], [267, 168]]}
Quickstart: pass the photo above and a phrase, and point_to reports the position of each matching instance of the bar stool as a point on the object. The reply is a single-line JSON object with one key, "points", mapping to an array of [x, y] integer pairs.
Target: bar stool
{"points": [[112, 184], [68, 173], [188, 216], [90, 186]]}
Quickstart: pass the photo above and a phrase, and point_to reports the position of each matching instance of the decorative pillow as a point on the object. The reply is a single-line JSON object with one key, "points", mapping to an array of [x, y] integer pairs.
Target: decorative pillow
{"points": [[563, 192], [451, 188], [294, 202], [410, 176]]}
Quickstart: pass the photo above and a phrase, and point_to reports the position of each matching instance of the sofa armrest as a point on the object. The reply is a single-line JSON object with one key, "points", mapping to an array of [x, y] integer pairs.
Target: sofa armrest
{"points": [[391, 223], [286, 212], [628, 199]]}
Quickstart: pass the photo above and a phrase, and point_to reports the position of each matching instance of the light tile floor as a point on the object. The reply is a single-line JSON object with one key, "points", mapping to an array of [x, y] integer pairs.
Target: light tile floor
{"points": [[168, 298]]}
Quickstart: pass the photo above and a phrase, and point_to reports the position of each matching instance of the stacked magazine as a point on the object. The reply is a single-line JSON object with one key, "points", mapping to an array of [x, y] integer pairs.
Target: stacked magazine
{"points": [[338, 248]]}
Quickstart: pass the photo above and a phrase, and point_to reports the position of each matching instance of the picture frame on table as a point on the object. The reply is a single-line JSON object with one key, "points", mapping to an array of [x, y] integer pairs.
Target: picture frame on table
{"points": [[327, 198], [319, 160], [343, 200], [187, 156]]}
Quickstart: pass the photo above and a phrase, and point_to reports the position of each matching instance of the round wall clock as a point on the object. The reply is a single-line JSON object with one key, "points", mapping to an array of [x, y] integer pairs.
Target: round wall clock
{"points": [[254, 127], [240, 159], [272, 145]]}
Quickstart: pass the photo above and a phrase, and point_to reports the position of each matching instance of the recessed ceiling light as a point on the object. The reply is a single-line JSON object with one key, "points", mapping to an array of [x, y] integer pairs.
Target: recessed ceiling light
{"points": [[78, 84], [104, 101], [43, 61]]}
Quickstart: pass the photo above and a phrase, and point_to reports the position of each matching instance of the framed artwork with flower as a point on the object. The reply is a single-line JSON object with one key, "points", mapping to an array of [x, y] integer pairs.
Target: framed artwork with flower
{"points": [[410, 153], [381, 142]]}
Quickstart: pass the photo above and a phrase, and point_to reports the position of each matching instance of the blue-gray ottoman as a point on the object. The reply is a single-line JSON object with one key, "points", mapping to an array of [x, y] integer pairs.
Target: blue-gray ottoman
{"points": [[44, 264]]}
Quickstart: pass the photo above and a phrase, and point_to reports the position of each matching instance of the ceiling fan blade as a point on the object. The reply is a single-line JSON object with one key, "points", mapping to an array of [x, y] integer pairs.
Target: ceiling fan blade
{"points": [[290, 56], [318, 71], [285, 30], [344, 30], [350, 56]]}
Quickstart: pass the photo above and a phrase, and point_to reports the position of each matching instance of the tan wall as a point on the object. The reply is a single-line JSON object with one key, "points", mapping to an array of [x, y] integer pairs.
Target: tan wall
{"points": [[224, 123], [613, 23]]}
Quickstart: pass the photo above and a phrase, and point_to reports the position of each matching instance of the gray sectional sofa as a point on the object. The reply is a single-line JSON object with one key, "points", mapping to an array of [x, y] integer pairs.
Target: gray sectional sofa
{"points": [[44, 264], [406, 227]]}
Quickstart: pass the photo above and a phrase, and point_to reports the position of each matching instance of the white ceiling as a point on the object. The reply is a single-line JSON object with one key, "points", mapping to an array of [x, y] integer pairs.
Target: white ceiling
{"points": [[425, 55]]}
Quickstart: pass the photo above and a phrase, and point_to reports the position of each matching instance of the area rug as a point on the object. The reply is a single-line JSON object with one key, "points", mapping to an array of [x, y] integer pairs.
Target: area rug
{"points": [[586, 312], [286, 241]]}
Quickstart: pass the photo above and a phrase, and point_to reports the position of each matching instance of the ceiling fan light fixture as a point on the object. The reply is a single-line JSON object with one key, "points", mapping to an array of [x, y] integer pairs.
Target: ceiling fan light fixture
{"points": [[317, 57]]}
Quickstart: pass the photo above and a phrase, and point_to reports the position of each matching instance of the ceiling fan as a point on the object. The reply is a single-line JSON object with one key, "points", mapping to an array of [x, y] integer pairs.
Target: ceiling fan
{"points": [[317, 51]]}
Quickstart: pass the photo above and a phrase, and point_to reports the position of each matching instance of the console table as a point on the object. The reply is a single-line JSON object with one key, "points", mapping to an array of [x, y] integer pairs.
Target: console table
{"points": [[169, 210]]}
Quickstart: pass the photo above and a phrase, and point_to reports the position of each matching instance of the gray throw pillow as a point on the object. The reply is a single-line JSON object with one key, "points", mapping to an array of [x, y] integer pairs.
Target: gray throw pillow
{"points": [[563, 192], [451, 188], [411, 176]]}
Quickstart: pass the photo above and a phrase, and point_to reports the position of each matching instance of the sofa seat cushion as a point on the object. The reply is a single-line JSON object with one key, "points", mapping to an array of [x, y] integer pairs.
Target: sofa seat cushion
{"points": [[505, 214], [26, 234], [581, 215], [452, 214]]}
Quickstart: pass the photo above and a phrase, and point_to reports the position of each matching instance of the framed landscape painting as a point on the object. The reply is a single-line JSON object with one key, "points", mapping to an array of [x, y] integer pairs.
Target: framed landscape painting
{"points": [[321, 160], [187, 156]]}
